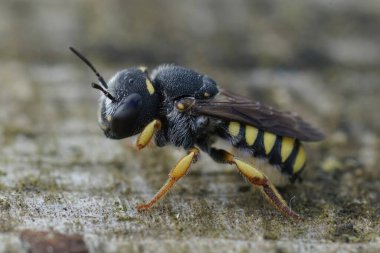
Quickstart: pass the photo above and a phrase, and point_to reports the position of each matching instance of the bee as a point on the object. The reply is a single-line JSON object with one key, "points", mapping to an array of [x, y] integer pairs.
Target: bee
{"points": [[178, 106]]}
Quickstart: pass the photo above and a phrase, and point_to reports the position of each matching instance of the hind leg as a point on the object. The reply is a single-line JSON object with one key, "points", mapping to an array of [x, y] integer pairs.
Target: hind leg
{"points": [[256, 178]]}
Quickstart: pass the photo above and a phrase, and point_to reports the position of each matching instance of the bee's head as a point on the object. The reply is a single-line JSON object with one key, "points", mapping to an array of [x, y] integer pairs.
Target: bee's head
{"points": [[129, 104], [129, 101]]}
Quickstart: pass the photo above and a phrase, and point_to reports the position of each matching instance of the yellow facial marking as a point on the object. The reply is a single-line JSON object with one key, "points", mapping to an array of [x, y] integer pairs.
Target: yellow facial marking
{"points": [[109, 118], [206, 94], [287, 146], [149, 86], [269, 140], [300, 160], [234, 128], [250, 134], [143, 68]]}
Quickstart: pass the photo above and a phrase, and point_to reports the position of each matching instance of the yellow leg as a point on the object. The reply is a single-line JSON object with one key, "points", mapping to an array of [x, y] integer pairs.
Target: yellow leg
{"points": [[257, 178], [147, 134], [176, 174], [267, 188]]}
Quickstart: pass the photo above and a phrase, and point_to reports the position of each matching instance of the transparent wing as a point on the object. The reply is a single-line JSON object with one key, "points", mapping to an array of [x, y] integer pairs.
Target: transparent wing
{"points": [[232, 107]]}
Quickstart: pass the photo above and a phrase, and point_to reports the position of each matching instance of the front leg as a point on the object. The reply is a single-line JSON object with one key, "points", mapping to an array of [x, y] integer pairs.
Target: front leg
{"points": [[147, 134], [175, 174], [257, 178]]}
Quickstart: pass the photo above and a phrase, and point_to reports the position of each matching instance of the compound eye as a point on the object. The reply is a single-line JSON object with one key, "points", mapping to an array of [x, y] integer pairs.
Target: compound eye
{"points": [[128, 107], [126, 114], [132, 102]]}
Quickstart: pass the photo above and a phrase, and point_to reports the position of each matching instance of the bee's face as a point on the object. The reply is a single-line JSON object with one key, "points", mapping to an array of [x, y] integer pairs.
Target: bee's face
{"points": [[135, 104]]}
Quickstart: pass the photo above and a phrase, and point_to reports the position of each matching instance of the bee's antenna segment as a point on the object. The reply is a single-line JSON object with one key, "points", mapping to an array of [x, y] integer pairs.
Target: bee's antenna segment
{"points": [[100, 78], [105, 92]]}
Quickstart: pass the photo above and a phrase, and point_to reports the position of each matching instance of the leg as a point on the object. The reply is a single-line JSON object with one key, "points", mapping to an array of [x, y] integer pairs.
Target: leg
{"points": [[147, 134], [256, 178], [176, 174]]}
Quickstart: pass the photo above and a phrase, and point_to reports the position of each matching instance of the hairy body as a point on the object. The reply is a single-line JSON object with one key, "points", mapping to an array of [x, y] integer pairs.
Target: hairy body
{"points": [[178, 106]]}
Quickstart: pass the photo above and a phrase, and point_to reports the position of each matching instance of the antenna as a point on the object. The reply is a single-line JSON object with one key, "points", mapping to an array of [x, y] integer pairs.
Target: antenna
{"points": [[105, 92], [100, 78]]}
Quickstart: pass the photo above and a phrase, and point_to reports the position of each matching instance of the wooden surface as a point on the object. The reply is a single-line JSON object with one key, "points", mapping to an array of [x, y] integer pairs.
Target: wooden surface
{"points": [[59, 173]]}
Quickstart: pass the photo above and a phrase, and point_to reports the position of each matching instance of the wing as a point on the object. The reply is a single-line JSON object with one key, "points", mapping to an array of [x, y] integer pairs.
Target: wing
{"points": [[232, 107]]}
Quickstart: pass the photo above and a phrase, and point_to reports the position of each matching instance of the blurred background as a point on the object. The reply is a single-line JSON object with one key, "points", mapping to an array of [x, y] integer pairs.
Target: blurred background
{"points": [[319, 58]]}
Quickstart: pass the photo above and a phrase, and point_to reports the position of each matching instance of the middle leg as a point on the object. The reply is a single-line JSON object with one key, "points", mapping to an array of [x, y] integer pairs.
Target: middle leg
{"points": [[175, 174]]}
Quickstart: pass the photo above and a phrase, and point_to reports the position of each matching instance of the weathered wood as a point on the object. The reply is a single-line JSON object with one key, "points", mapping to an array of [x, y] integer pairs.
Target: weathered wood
{"points": [[58, 172]]}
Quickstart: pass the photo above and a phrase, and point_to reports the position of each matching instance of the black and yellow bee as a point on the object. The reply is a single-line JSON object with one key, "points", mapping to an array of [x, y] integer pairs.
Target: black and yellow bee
{"points": [[178, 106]]}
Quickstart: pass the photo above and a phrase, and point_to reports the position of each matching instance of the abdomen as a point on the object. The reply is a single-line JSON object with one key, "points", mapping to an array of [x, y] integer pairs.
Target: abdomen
{"points": [[273, 154]]}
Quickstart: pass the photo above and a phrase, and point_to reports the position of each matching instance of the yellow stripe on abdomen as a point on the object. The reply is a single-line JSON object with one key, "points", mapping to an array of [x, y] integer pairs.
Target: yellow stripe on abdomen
{"points": [[250, 135], [234, 128], [269, 140], [300, 160], [287, 146]]}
